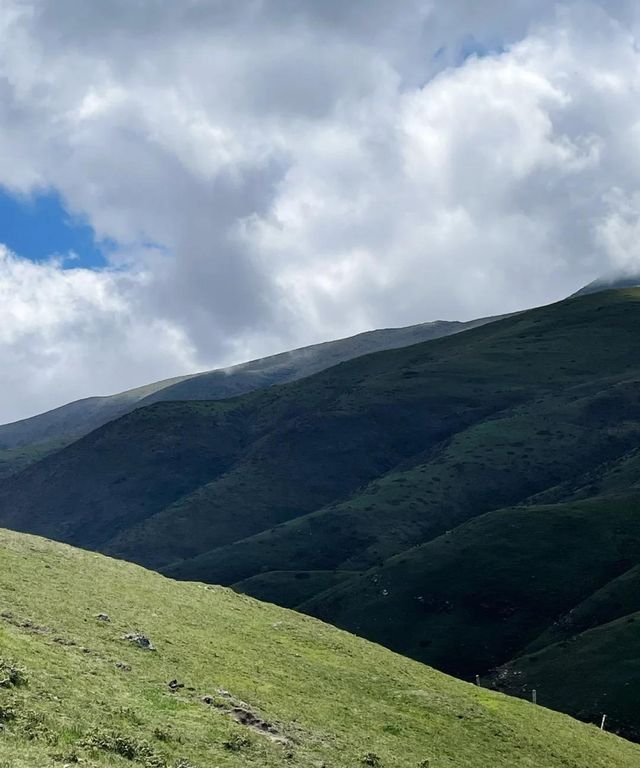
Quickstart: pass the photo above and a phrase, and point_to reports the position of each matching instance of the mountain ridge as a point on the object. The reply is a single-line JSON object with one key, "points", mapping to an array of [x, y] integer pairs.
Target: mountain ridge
{"points": [[28, 440]]}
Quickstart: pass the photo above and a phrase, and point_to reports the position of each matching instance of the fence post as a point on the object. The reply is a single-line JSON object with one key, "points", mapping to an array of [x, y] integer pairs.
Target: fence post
{"points": [[604, 717], [534, 696]]}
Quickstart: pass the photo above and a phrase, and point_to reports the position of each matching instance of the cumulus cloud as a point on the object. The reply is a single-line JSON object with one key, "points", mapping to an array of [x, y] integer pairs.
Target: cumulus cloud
{"points": [[278, 173], [68, 332]]}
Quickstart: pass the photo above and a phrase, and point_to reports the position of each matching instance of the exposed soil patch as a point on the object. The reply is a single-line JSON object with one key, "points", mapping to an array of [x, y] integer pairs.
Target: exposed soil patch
{"points": [[242, 713], [30, 626], [255, 723]]}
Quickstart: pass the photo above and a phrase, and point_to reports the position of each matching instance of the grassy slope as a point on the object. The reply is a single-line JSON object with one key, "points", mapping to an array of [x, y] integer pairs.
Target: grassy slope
{"points": [[356, 464], [594, 672], [141, 460], [475, 597], [570, 364], [493, 463], [300, 363], [292, 587], [340, 702], [298, 439], [619, 597], [296, 448], [14, 460], [63, 425]]}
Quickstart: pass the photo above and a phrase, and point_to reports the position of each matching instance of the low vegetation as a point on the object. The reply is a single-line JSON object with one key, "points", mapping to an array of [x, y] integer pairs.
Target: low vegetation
{"points": [[469, 501], [234, 682]]}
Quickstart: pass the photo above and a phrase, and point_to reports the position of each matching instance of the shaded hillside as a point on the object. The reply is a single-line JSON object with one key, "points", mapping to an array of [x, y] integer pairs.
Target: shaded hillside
{"points": [[478, 488], [48, 431], [494, 462], [74, 419], [616, 599], [234, 682], [175, 480], [593, 673], [13, 460], [476, 596]]}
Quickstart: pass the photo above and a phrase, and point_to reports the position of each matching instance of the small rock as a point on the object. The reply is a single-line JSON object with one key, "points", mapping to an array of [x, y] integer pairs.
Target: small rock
{"points": [[124, 667], [142, 641], [103, 617], [175, 685], [207, 699]]}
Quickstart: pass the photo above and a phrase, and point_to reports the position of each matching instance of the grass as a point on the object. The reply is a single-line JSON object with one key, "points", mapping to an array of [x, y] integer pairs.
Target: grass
{"points": [[13, 460], [616, 599], [83, 695], [494, 463], [436, 471], [475, 597], [292, 587], [69, 422], [593, 673], [174, 481]]}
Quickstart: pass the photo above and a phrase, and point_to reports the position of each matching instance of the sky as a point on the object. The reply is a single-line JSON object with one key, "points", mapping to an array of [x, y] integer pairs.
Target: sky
{"points": [[188, 185]]}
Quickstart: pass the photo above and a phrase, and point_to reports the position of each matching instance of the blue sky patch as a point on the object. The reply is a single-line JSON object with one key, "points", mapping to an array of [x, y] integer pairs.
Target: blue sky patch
{"points": [[39, 226], [472, 47], [466, 48]]}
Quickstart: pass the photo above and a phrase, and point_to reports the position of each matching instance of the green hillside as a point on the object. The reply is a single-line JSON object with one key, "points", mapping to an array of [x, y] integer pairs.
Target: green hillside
{"points": [[473, 598], [25, 441], [466, 501], [234, 682], [594, 672], [13, 460], [416, 432], [559, 389], [619, 597], [497, 461]]}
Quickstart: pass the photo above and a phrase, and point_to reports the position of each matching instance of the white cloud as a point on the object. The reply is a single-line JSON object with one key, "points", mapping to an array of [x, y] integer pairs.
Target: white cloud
{"points": [[306, 170], [67, 332]]}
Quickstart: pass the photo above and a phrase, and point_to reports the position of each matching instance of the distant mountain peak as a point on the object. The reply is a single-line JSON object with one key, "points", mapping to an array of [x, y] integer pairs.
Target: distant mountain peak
{"points": [[610, 282]]}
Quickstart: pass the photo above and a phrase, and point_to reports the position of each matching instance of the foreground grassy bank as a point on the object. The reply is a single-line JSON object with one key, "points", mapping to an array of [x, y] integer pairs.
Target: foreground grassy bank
{"points": [[234, 682]]}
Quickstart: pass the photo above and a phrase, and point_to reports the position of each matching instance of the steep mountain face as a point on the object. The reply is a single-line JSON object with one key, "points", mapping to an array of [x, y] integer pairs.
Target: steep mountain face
{"points": [[229, 681], [26, 441], [453, 499]]}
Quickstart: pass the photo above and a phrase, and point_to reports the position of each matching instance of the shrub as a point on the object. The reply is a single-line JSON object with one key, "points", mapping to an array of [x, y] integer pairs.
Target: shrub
{"points": [[126, 747], [7, 714], [11, 676], [236, 742]]}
